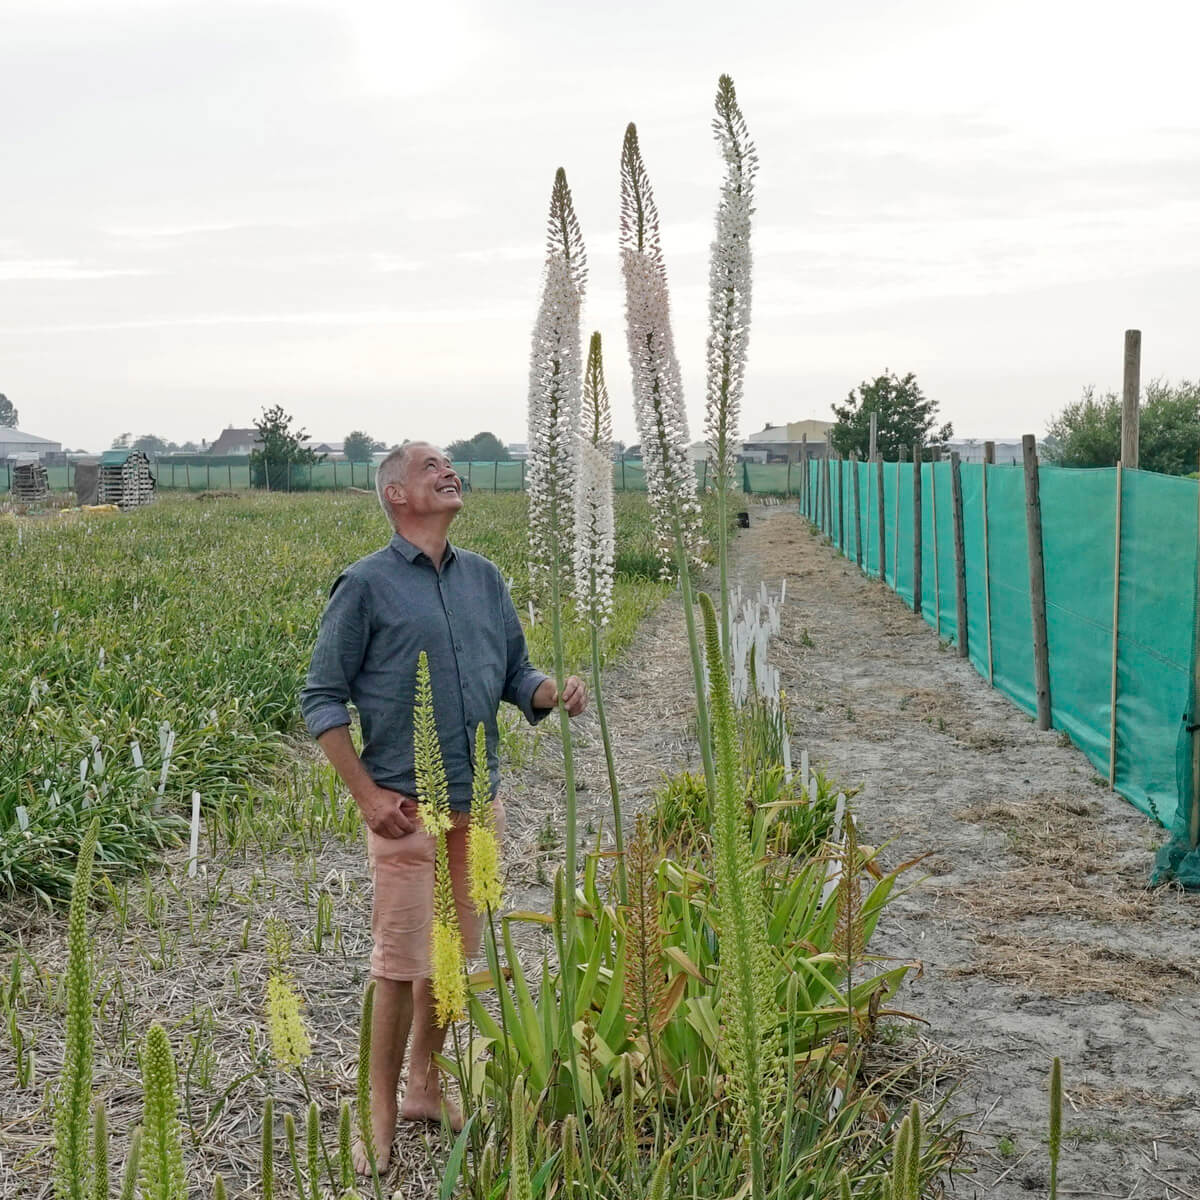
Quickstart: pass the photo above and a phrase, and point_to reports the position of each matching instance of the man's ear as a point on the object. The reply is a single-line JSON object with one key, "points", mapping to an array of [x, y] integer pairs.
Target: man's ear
{"points": [[395, 493]]}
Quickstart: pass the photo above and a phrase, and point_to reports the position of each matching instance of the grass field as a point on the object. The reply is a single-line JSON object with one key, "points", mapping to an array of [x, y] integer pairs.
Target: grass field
{"points": [[148, 655]]}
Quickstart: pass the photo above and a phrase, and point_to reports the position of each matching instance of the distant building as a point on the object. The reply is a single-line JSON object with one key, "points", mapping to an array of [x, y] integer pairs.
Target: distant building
{"points": [[236, 441], [518, 451], [970, 450], [784, 443], [14, 442], [335, 449]]}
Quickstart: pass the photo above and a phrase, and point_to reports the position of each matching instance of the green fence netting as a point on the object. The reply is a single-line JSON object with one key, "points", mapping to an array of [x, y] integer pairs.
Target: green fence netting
{"points": [[1146, 748]]}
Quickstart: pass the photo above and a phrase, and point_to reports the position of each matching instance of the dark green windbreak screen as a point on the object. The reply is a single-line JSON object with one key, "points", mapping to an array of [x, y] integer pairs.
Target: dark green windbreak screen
{"points": [[1155, 602]]}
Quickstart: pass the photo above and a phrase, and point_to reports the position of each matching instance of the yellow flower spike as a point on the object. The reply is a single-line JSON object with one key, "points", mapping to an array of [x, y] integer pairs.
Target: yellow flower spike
{"points": [[290, 1044], [483, 847], [449, 980]]}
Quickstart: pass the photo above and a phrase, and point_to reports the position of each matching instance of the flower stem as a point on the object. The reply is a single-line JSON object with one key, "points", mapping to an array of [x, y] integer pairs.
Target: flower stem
{"points": [[618, 831], [703, 731]]}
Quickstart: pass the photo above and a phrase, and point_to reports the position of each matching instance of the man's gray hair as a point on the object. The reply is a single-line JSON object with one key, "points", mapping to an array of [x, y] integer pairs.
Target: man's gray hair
{"points": [[390, 471]]}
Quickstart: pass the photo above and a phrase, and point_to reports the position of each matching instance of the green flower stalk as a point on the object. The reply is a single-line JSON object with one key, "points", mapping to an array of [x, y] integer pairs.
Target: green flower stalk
{"points": [[661, 1178], [345, 1151], [729, 282], [745, 957], [1056, 1111], [520, 1186], [99, 1154], [268, 1150], [314, 1152], [570, 1156], [73, 1097], [363, 1088], [595, 554], [447, 967], [162, 1176], [914, 1151], [133, 1162], [218, 1192], [483, 847], [628, 1121]]}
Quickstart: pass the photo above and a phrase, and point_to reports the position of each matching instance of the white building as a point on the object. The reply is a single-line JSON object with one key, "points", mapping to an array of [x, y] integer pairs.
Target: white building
{"points": [[14, 442]]}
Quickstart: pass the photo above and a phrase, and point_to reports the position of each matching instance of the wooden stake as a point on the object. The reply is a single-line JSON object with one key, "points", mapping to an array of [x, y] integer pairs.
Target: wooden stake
{"points": [[918, 594], [1194, 814], [989, 459], [1037, 581], [804, 473], [841, 503], [827, 474], [937, 582], [1130, 412], [858, 532], [873, 450], [960, 555], [896, 538], [1116, 622], [881, 517]]}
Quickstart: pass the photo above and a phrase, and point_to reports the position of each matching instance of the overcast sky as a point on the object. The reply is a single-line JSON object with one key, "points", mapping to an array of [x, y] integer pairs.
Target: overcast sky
{"points": [[338, 206]]}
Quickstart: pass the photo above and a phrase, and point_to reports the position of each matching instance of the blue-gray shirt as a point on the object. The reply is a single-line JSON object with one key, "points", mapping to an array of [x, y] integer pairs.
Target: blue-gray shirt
{"points": [[382, 612]]}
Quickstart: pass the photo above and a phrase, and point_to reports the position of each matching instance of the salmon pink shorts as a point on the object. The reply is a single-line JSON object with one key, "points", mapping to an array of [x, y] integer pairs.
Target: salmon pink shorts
{"points": [[402, 910]]}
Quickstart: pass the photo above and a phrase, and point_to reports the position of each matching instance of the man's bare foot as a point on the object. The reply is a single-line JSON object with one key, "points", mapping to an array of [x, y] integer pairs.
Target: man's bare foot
{"points": [[423, 1106], [383, 1129]]}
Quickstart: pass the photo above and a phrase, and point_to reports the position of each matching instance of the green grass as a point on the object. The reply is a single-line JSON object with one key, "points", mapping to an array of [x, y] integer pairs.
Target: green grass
{"points": [[199, 619]]}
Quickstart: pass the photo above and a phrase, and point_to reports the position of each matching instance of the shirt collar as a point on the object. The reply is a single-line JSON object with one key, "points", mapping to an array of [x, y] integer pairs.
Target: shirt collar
{"points": [[412, 553]]}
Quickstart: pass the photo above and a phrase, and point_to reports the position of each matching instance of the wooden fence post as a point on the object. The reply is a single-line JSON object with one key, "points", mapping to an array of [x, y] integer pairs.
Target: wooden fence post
{"points": [[989, 460], [873, 449], [1116, 622], [1130, 413], [1194, 814], [803, 470], [827, 475], [187, 475], [918, 593], [495, 476], [841, 462], [1037, 580], [896, 531], [960, 555], [937, 577], [858, 553], [881, 517]]}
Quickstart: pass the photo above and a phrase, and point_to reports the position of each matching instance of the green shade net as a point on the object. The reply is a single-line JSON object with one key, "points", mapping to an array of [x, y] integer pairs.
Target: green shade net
{"points": [[1156, 593]]}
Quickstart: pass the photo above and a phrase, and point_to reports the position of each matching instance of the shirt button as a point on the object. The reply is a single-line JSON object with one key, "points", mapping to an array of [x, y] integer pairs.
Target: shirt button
{"points": [[458, 645], [464, 686]]}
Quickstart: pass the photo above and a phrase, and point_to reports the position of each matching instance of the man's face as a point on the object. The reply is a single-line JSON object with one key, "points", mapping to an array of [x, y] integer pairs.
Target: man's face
{"points": [[430, 483]]}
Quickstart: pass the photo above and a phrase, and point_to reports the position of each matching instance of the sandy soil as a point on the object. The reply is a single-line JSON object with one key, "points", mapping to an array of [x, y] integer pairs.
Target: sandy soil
{"points": [[1033, 922]]}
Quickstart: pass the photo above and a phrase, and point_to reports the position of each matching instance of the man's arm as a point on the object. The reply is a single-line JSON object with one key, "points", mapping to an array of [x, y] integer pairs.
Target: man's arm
{"points": [[381, 808], [337, 658]]}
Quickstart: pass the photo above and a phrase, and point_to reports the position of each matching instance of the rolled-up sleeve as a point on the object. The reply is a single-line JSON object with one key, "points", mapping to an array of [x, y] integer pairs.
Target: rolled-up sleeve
{"points": [[337, 658], [521, 680]]}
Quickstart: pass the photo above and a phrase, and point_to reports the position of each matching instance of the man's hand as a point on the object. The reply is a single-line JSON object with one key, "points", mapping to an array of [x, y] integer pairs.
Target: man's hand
{"points": [[384, 813], [574, 695]]}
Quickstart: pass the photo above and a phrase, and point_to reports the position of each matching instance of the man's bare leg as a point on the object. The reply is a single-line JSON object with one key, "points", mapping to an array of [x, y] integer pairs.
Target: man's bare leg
{"points": [[391, 1021], [423, 1099]]}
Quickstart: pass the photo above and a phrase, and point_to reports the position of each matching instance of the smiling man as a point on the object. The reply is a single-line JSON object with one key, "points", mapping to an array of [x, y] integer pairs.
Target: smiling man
{"points": [[418, 593]]}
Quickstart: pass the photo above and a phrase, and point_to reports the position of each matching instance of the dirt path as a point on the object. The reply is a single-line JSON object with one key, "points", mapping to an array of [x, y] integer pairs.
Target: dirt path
{"points": [[1033, 924]]}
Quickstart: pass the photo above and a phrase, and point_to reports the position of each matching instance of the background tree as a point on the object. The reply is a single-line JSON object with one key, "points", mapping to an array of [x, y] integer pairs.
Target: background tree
{"points": [[359, 446], [274, 465], [618, 451], [122, 441], [906, 416], [8, 414], [151, 443], [483, 447], [1087, 433]]}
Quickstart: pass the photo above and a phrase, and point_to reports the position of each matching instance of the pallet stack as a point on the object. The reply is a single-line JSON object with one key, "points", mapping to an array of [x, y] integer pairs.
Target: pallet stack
{"points": [[30, 484], [125, 480]]}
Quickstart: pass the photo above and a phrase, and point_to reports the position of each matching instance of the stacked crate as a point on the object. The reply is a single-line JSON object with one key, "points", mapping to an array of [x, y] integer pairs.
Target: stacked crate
{"points": [[125, 480], [30, 484]]}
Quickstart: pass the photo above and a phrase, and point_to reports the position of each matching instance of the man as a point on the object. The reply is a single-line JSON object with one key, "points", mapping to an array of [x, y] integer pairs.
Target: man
{"points": [[419, 593]]}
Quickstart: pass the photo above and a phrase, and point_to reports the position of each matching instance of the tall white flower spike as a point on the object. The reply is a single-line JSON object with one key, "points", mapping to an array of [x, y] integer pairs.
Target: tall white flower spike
{"points": [[595, 547], [555, 386], [657, 385]]}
